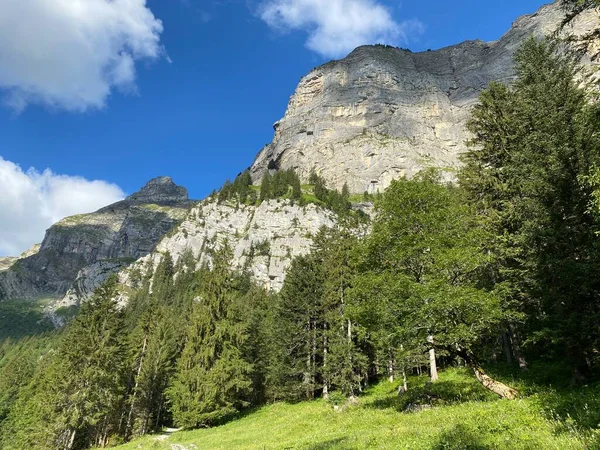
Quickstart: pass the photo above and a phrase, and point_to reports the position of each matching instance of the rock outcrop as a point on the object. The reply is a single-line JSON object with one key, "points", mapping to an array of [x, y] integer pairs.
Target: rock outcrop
{"points": [[264, 239], [382, 112], [112, 237]]}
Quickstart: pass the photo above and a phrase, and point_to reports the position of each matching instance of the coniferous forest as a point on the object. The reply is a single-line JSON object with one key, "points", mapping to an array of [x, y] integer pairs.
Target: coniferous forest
{"points": [[501, 269]]}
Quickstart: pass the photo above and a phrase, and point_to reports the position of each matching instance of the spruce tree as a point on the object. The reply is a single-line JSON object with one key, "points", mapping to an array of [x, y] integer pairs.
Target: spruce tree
{"points": [[299, 330], [213, 377], [535, 145], [75, 399]]}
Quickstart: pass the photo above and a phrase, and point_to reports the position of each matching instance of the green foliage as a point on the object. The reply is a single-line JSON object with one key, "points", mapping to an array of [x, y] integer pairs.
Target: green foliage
{"points": [[334, 200], [528, 175], [213, 378], [239, 191], [283, 184], [74, 398]]}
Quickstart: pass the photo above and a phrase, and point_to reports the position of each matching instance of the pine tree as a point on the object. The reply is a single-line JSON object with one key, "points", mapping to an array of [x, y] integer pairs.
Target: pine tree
{"points": [[296, 187], [343, 364], [74, 400], [299, 330], [226, 192]]}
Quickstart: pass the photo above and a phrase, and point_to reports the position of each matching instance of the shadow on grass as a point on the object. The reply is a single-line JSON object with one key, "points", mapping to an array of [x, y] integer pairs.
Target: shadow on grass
{"points": [[459, 438], [572, 408], [327, 445], [436, 394]]}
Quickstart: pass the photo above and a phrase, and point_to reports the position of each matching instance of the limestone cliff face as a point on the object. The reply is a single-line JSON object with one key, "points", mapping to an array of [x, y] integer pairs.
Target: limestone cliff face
{"points": [[264, 238], [383, 112], [113, 236]]}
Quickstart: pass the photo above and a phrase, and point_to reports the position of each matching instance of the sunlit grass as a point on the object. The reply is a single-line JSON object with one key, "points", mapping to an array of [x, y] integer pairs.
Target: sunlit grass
{"points": [[462, 415]]}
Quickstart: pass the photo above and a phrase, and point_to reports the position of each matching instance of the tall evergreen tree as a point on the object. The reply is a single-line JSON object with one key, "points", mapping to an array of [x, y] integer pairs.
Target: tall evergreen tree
{"points": [[213, 376], [75, 399], [535, 144], [265, 187]]}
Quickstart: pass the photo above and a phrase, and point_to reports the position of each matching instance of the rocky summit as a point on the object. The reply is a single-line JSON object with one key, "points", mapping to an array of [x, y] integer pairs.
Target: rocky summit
{"points": [[384, 112], [101, 242], [161, 191]]}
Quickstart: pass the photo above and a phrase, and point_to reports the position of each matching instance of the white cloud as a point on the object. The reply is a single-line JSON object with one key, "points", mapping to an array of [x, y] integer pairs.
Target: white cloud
{"points": [[70, 54], [335, 27], [31, 201]]}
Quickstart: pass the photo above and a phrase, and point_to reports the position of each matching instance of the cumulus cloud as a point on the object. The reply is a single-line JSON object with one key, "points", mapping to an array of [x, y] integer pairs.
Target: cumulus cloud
{"points": [[31, 201], [336, 27], [70, 54]]}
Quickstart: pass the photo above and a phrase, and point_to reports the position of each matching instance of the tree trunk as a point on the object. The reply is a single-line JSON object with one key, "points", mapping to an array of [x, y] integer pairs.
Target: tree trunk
{"points": [[497, 387], [314, 358], [391, 368], [516, 344], [432, 363], [325, 350], [308, 362], [506, 345], [72, 440], [159, 413]]}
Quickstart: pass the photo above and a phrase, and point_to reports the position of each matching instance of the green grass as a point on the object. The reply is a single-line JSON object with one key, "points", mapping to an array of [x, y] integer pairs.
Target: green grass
{"points": [[463, 416]]}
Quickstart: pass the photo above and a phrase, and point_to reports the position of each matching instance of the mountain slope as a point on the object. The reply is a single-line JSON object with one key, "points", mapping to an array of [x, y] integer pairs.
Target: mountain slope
{"points": [[115, 235]]}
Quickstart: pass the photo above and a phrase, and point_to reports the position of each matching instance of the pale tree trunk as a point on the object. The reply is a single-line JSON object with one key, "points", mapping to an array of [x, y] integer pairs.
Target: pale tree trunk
{"points": [[516, 342], [314, 358], [391, 368], [404, 380], [497, 387], [308, 365], [350, 353], [72, 440], [325, 350], [432, 363]]}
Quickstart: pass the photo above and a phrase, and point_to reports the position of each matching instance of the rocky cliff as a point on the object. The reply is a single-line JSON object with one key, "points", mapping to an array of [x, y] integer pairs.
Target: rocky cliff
{"points": [[382, 112], [264, 240], [103, 242]]}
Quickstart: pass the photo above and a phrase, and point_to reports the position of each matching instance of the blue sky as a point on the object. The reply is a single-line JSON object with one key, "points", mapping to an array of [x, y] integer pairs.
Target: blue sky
{"points": [[193, 96]]}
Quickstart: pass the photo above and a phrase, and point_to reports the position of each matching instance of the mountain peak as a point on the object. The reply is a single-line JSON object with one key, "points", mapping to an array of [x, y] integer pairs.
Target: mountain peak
{"points": [[160, 190]]}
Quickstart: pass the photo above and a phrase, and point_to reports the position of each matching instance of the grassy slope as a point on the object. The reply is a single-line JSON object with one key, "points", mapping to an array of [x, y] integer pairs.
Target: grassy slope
{"points": [[464, 416]]}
